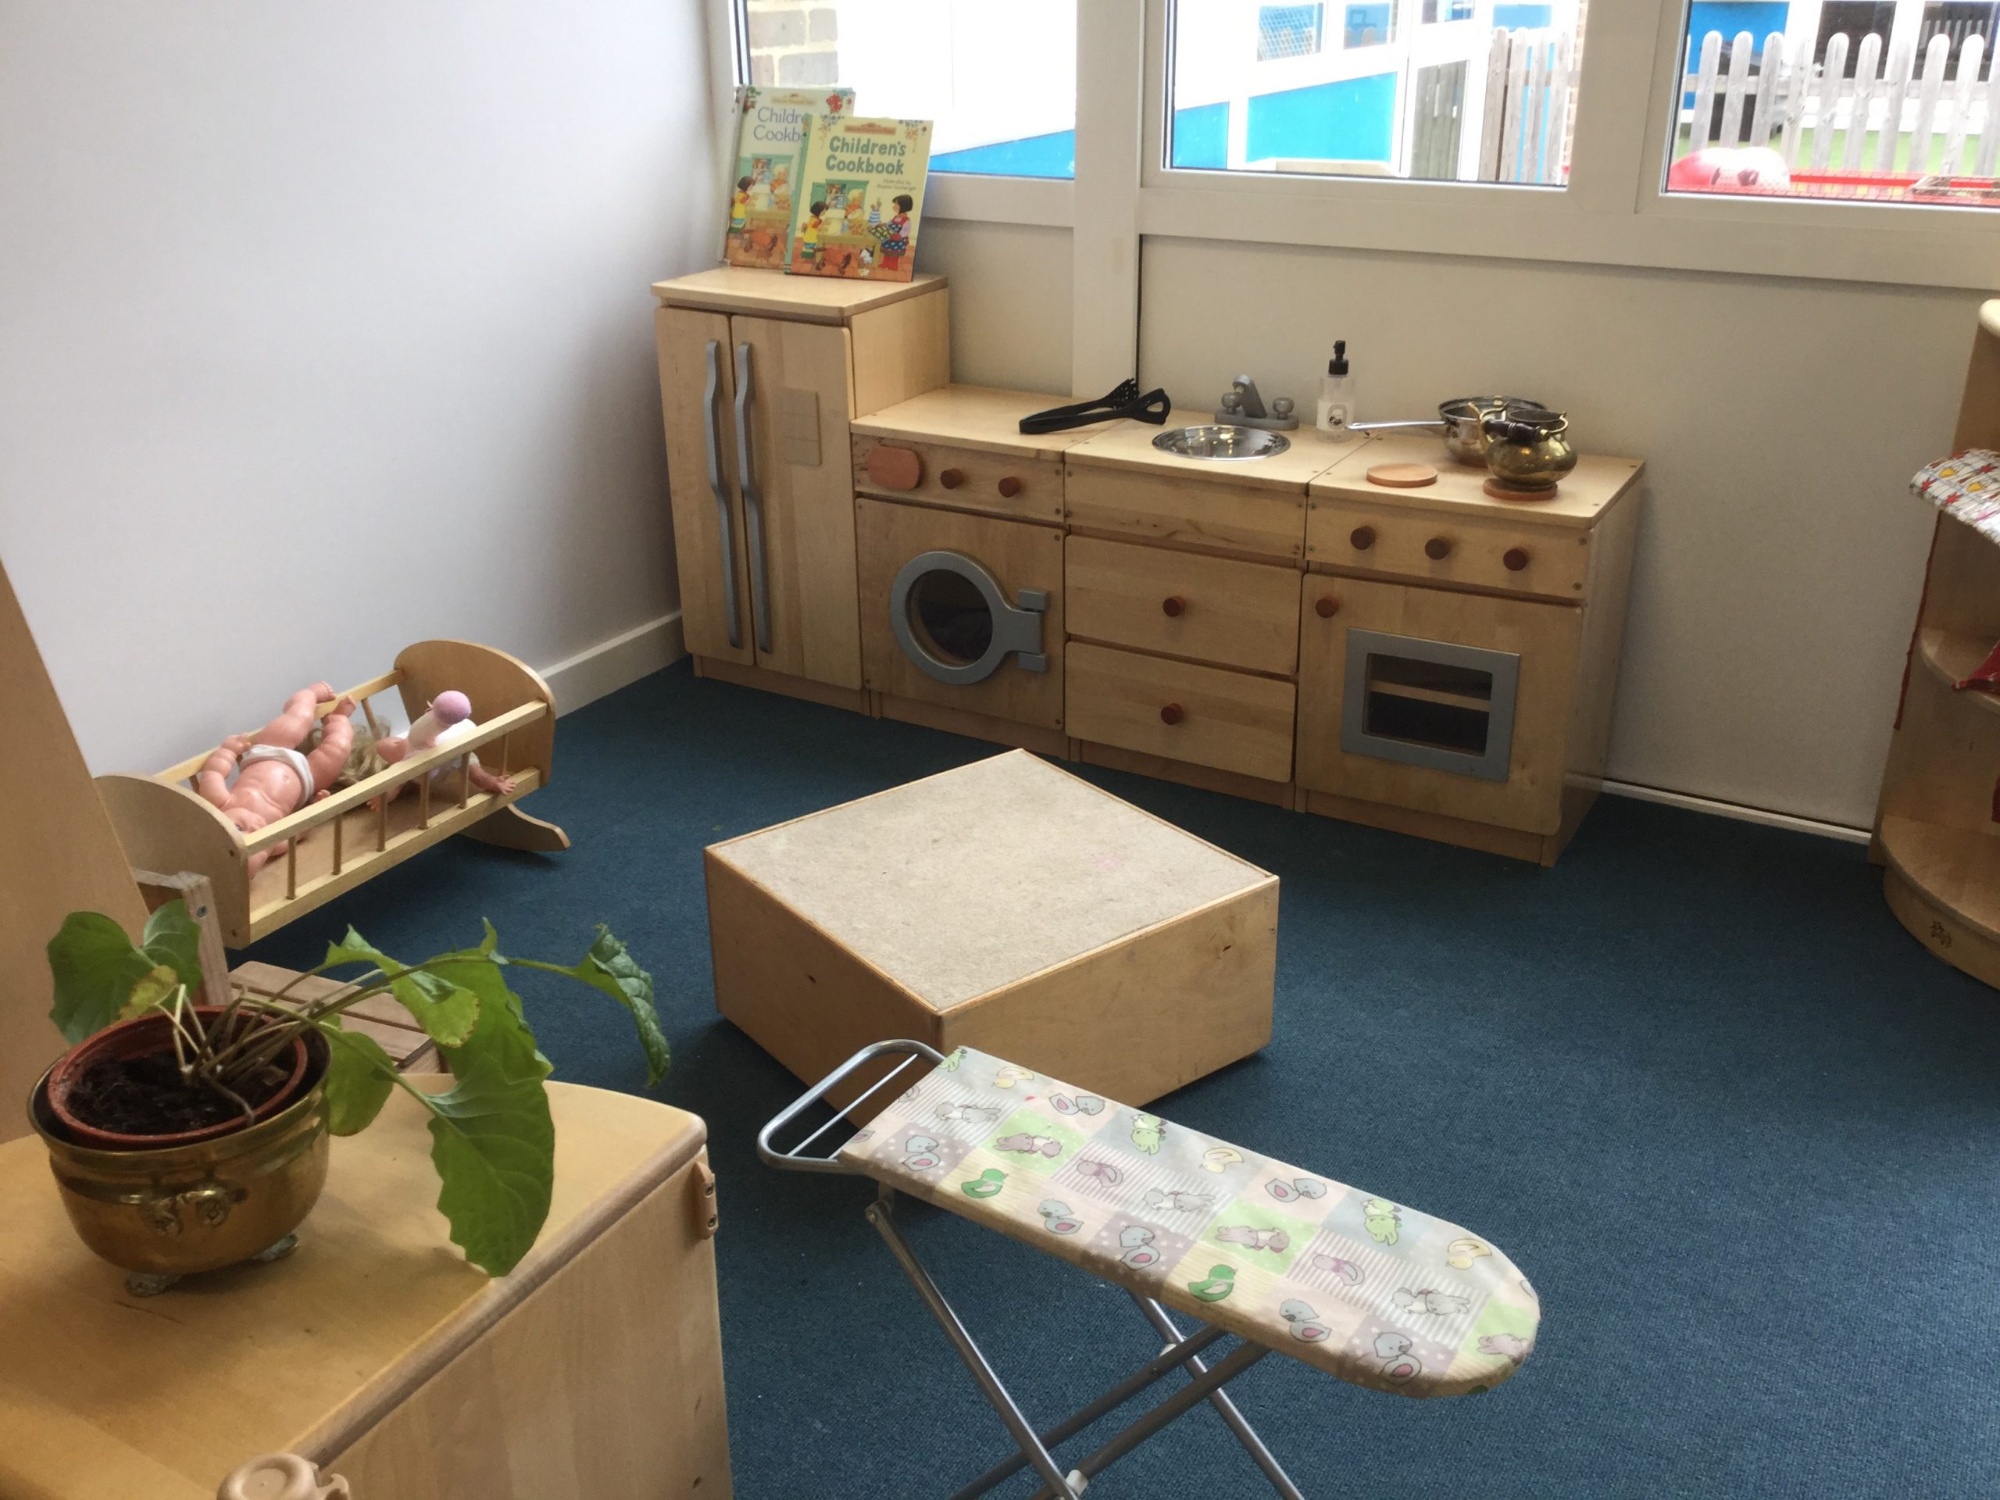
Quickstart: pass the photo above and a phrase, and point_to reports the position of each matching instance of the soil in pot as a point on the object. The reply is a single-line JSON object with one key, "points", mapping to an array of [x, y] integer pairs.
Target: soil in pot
{"points": [[146, 1095]]}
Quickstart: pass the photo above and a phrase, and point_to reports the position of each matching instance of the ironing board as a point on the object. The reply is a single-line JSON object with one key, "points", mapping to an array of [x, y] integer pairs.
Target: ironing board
{"points": [[1367, 1290]]}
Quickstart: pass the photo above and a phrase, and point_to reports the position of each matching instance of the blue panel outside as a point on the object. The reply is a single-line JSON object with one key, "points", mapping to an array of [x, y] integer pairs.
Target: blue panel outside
{"points": [[1522, 17], [1758, 17], [1353, 120], [1052, 155], [1201, 136]]}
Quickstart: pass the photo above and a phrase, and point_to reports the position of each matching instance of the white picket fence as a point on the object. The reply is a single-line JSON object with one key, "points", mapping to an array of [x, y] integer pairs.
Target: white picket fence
{"points": [[1524, 127], [1790, 100]]}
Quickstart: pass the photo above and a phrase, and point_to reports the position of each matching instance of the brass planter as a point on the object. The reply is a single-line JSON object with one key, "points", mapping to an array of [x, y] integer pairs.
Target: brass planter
{"points": [[170, 1212]]}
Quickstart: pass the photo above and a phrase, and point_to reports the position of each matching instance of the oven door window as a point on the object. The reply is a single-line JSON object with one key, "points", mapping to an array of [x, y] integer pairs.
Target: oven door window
{"points": [[1433, 704]]}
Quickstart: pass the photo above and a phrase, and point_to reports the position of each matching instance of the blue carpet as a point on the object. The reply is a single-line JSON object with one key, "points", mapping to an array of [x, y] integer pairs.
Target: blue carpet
{"points": [[1737, 1126]]}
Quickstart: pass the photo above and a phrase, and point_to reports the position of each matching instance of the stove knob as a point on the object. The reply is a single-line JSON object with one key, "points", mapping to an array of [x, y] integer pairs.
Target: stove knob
{"points": [[1363, 538], [1173, 605], [1516, 559], [951, 479], [1009, 487], [1173, 713], [1437, 549], [1327, 607]]}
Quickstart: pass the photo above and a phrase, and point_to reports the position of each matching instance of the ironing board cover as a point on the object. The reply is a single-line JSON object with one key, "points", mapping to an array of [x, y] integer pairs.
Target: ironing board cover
{"points": [[1365, 1289]]}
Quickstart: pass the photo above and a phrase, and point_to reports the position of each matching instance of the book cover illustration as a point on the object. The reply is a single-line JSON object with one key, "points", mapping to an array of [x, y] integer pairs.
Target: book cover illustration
{"points": [[771, 128], [860, 194]]}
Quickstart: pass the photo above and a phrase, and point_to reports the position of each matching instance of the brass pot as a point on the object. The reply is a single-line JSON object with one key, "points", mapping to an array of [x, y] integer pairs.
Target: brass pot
{"points": [[174, 1210], [1529, 450]]}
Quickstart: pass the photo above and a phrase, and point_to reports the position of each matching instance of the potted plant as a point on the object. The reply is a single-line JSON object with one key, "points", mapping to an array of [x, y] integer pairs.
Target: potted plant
{"points": [[187, 1136]]}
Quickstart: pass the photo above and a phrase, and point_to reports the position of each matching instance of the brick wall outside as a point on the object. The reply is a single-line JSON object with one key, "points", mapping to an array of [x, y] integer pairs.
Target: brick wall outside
{"points": [[793, 42]]}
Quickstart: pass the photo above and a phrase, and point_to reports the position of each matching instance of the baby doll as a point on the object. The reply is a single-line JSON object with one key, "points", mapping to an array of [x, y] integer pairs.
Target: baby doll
{"points": [[273, 778], [449, 718]]}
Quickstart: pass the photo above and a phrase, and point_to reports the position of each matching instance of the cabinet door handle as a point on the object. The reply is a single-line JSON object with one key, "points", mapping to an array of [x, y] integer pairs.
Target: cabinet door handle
{"points": [[1173, 713], [1437, 549], [1326, 607], [1173, 605], [711, 431], [753, 504]]}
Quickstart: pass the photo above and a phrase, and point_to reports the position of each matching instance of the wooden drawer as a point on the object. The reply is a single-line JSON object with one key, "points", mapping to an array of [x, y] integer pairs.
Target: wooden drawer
{"points": [[1000, 484], [1549, 561], [1229, 720], [1166, 508], [1239, 614]]}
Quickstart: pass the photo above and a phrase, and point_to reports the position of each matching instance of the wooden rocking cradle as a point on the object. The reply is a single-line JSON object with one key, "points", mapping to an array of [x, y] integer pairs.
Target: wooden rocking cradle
{"points": [[340, 841]]}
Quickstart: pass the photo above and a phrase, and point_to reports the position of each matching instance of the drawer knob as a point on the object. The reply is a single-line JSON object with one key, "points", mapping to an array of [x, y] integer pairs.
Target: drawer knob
{"points": [[1327, 607], [1173, 713], [951, 479], [1516, 559], [895, 468], [1363, 538], [1173, 605], [1437, 549], [1009, 486]]}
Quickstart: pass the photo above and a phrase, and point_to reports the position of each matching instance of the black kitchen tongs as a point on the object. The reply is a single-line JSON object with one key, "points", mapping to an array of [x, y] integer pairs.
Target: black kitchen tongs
{"points": [[1124, 401]]}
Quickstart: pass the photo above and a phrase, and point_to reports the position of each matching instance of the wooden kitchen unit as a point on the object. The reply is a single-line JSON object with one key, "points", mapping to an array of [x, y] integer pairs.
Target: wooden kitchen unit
{"points": [[760, 376], [1457, 653], [1431, 660]]}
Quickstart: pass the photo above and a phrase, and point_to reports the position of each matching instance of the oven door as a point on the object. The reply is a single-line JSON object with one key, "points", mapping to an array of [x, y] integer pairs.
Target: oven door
{"points": [[1450, 703]]}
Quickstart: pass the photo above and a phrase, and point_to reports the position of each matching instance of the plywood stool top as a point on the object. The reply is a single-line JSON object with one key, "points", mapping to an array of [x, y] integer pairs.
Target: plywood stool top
{"points": [[963, 882]]}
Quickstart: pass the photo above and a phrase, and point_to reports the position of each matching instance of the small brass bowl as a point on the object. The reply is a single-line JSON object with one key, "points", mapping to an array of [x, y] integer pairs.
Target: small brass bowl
{"points": [[1529, 450], [181, 1209]]}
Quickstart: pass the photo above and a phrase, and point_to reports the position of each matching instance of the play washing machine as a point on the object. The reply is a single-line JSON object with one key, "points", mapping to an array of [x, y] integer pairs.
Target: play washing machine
{"points": [[961, 608]]}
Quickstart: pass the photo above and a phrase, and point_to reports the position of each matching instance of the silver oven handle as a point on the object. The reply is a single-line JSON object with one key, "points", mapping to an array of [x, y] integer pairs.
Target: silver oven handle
{"points": [[711, 423], [753, 504]]}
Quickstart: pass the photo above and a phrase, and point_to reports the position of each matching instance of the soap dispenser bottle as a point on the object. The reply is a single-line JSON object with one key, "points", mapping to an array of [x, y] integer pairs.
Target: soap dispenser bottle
{"points": [[1336, 393]]}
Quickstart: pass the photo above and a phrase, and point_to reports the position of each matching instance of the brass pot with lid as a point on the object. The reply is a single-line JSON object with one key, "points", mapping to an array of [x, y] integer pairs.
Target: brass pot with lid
{"points": [[1528, 449]]}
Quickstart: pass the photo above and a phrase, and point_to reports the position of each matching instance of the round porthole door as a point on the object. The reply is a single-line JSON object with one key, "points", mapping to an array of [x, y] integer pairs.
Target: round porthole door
{"points": [[953, 622]]}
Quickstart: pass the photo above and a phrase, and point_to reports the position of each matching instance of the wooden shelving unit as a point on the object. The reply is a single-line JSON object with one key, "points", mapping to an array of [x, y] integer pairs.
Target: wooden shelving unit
{"points": [[1937, 831]]}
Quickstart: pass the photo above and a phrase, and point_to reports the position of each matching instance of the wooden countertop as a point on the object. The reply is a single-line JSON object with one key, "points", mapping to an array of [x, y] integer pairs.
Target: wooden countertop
{"points": [[811, 299], [1593, 487], [104, 1394], [1129, 445], [977, 417]]}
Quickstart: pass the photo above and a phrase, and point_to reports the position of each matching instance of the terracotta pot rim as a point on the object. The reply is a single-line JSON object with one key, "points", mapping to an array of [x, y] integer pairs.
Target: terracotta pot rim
{"points": [[70, 1066]]}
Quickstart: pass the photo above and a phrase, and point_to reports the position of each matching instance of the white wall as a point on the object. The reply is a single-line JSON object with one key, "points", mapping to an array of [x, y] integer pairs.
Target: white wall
{"points": [[324, 328], [1010, 302], [1780, 556]]}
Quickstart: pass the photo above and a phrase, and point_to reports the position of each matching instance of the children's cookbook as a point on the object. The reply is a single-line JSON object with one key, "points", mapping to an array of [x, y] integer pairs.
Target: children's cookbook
{"points": [[771, 129], [859, 193]]}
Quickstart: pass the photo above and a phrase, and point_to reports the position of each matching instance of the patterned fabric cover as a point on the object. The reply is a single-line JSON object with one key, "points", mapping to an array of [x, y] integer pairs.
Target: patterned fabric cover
{"points": [[1368, 1290], [1965, 486]]}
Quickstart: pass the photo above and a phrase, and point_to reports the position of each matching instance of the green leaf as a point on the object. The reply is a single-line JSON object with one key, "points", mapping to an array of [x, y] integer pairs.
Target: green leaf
{"points": [[95, 967], [173, 938], [610, 969], [150, 991], [358, 1078], [493, 1142], [446, 1011]]}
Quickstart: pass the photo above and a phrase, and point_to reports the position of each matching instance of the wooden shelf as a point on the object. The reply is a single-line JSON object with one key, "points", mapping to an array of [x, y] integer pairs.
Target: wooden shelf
{"points": [[1956, 868], [1953, 657]]}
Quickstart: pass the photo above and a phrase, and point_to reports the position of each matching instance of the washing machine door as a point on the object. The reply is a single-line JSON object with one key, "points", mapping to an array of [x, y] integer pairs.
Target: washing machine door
{"points": [[951, 619]]}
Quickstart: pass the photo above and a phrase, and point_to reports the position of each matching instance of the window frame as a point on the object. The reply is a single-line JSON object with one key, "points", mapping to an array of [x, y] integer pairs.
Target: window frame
{"points": [[1614, 212]]}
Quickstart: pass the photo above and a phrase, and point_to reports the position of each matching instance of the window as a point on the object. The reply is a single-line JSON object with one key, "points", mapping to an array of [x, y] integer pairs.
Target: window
{"points": [[1264, 88], [1288, 30], [998, 79], [1881, 101]]}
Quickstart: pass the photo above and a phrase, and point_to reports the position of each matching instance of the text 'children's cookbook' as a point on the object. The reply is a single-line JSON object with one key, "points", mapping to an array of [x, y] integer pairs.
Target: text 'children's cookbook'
{"points": [[771, 129], [860, 193]]}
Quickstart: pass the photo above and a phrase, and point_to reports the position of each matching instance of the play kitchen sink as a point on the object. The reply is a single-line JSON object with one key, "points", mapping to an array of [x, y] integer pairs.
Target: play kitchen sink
{"points": [[1220, 441]]}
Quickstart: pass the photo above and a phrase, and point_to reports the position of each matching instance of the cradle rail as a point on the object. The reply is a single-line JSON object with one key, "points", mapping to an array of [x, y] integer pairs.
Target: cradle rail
{"points": [[336, 843]]}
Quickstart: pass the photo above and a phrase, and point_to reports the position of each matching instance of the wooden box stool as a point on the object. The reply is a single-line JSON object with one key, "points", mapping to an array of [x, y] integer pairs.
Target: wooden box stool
{"points": [[1006, 905]]}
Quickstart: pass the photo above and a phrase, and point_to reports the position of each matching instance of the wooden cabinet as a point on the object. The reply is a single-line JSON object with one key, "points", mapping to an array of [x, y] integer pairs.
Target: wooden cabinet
{"points": [[760, 376], [1181, 711], [1213, 609], [593, 1368]]}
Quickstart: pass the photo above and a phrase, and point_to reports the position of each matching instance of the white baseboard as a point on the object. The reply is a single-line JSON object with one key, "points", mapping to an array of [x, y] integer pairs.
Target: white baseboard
{"points": [[1738, 811], [613, 664]]}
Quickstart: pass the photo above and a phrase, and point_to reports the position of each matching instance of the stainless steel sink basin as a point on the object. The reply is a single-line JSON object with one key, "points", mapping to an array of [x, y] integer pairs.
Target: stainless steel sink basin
{"points": [[1222, 442]]}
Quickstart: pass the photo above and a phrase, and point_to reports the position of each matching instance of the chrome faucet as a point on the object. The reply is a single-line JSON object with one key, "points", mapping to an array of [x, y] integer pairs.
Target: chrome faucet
{"points": [[1242, 405]]}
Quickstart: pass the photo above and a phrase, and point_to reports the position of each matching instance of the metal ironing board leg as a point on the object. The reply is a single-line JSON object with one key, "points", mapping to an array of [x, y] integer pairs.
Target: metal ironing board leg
{"points": [[1245, 1433], [1058, 1486]]}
